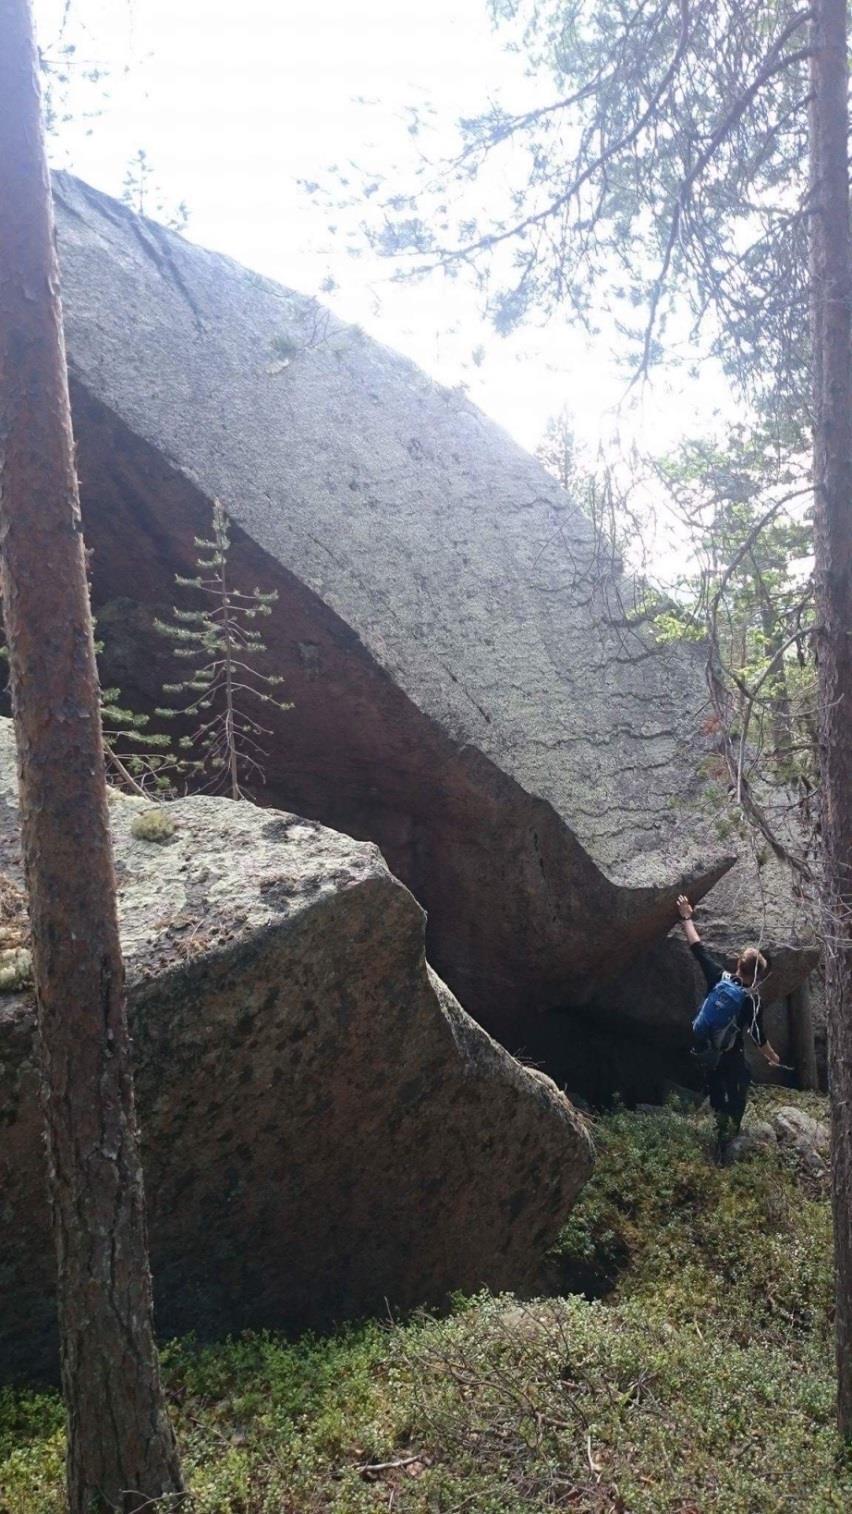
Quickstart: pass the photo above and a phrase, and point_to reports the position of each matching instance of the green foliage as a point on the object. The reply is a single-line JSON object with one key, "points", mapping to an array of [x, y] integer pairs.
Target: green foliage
{"points": [[557, 451], [136, 757], [747, 596], [27, 1417], [704, 1382], [677, 624], [659, 171], [222, 644], [744, 502], [75, 89], [572, 1404], [594, 491]]}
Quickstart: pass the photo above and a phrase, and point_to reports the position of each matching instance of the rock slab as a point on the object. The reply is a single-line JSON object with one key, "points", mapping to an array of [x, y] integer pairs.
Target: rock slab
{"points": [[471, 689], [324, 1128]]}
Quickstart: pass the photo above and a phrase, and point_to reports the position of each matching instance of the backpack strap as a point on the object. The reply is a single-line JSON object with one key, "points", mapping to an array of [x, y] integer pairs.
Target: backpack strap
{"points": [[753, 997]]}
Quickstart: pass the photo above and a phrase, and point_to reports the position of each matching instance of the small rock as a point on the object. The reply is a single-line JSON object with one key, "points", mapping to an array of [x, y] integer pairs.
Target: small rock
{"points": [[808, 1138], [756, 1139]]}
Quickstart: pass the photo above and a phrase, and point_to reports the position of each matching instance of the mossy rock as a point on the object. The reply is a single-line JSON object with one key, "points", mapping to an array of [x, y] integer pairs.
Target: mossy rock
{"points": [[153, 825]]}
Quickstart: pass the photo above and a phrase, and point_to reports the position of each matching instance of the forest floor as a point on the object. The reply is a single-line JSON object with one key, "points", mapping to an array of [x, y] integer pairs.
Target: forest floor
{"points": [[701, 1380]]}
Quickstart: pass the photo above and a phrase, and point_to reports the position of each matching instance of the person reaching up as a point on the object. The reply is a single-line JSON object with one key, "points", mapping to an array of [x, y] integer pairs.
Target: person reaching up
{"points": [[731, 1010]]}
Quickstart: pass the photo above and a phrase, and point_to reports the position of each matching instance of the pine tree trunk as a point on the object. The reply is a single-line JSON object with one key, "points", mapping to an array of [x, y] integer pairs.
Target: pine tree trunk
{"points": [[801, 1026], [831, 292], [120, 1445]]}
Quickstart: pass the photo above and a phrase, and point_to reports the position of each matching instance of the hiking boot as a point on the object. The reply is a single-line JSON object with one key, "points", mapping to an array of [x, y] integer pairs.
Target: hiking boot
{"points": [[726, 1130]]}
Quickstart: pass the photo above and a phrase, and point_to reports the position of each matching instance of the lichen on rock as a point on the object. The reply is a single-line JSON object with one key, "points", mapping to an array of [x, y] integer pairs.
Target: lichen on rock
{"points": [[16, 969], [16, 965]]}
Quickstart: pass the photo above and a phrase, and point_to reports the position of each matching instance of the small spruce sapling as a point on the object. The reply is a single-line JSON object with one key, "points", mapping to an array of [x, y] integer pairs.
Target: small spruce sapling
{"points": [[222, 644], [136, 758]]}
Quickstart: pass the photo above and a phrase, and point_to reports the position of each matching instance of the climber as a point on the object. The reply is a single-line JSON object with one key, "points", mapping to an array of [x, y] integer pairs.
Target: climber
{"points": [[731, 1008]]}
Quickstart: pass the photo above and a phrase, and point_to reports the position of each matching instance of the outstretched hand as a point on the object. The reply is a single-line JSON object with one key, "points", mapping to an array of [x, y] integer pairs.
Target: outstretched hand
{"points": [[684, 908]]}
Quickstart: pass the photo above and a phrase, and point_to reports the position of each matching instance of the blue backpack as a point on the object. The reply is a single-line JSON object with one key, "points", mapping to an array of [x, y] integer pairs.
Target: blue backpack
{"points": [[717, 1022]]}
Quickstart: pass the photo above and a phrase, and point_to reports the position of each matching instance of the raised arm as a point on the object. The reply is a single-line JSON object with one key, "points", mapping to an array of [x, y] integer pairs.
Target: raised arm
{"points": [[711, 969], [684, 909]]}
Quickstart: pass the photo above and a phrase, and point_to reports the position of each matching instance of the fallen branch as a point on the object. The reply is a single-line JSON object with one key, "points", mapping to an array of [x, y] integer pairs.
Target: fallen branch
{"points": [[123, 772], [368, 1468]]}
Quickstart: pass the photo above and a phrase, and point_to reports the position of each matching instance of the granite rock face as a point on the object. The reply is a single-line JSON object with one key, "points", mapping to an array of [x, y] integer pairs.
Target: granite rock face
{"points": [[469, 691], [324, 1128]]}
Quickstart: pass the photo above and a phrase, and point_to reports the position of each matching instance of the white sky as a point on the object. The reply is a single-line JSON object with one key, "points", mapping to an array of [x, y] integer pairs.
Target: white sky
{"points": [[236, 100]]}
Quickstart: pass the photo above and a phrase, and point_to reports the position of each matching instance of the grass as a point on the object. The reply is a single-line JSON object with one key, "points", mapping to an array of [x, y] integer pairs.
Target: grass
{"points": [[701, 1382]]}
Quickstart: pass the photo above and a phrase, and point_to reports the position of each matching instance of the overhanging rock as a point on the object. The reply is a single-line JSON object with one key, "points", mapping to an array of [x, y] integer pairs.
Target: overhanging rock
{"points": [[468, 690], [324, 1129]]}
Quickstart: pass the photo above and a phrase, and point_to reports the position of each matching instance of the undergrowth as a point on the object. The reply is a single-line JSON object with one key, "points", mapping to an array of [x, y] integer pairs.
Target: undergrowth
{"points": [[747, 1247], [703, 1382]]}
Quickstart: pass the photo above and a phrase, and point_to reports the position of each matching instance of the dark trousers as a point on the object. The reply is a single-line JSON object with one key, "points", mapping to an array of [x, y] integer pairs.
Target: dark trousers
{"points": [[727, 1086]]}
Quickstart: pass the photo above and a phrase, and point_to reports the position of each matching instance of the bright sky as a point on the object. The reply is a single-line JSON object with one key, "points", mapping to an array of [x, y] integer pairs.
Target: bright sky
{"points": [[236, 102]]}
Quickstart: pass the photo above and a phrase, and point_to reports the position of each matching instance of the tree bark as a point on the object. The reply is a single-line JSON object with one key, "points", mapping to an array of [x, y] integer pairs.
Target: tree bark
{"points": [[802, 1037], [121, 1450], [831, 292]]}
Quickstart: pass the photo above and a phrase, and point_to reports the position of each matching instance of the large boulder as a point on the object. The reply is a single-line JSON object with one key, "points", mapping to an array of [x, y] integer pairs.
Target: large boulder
{"points": [[471, 690], [324, 1129]]}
